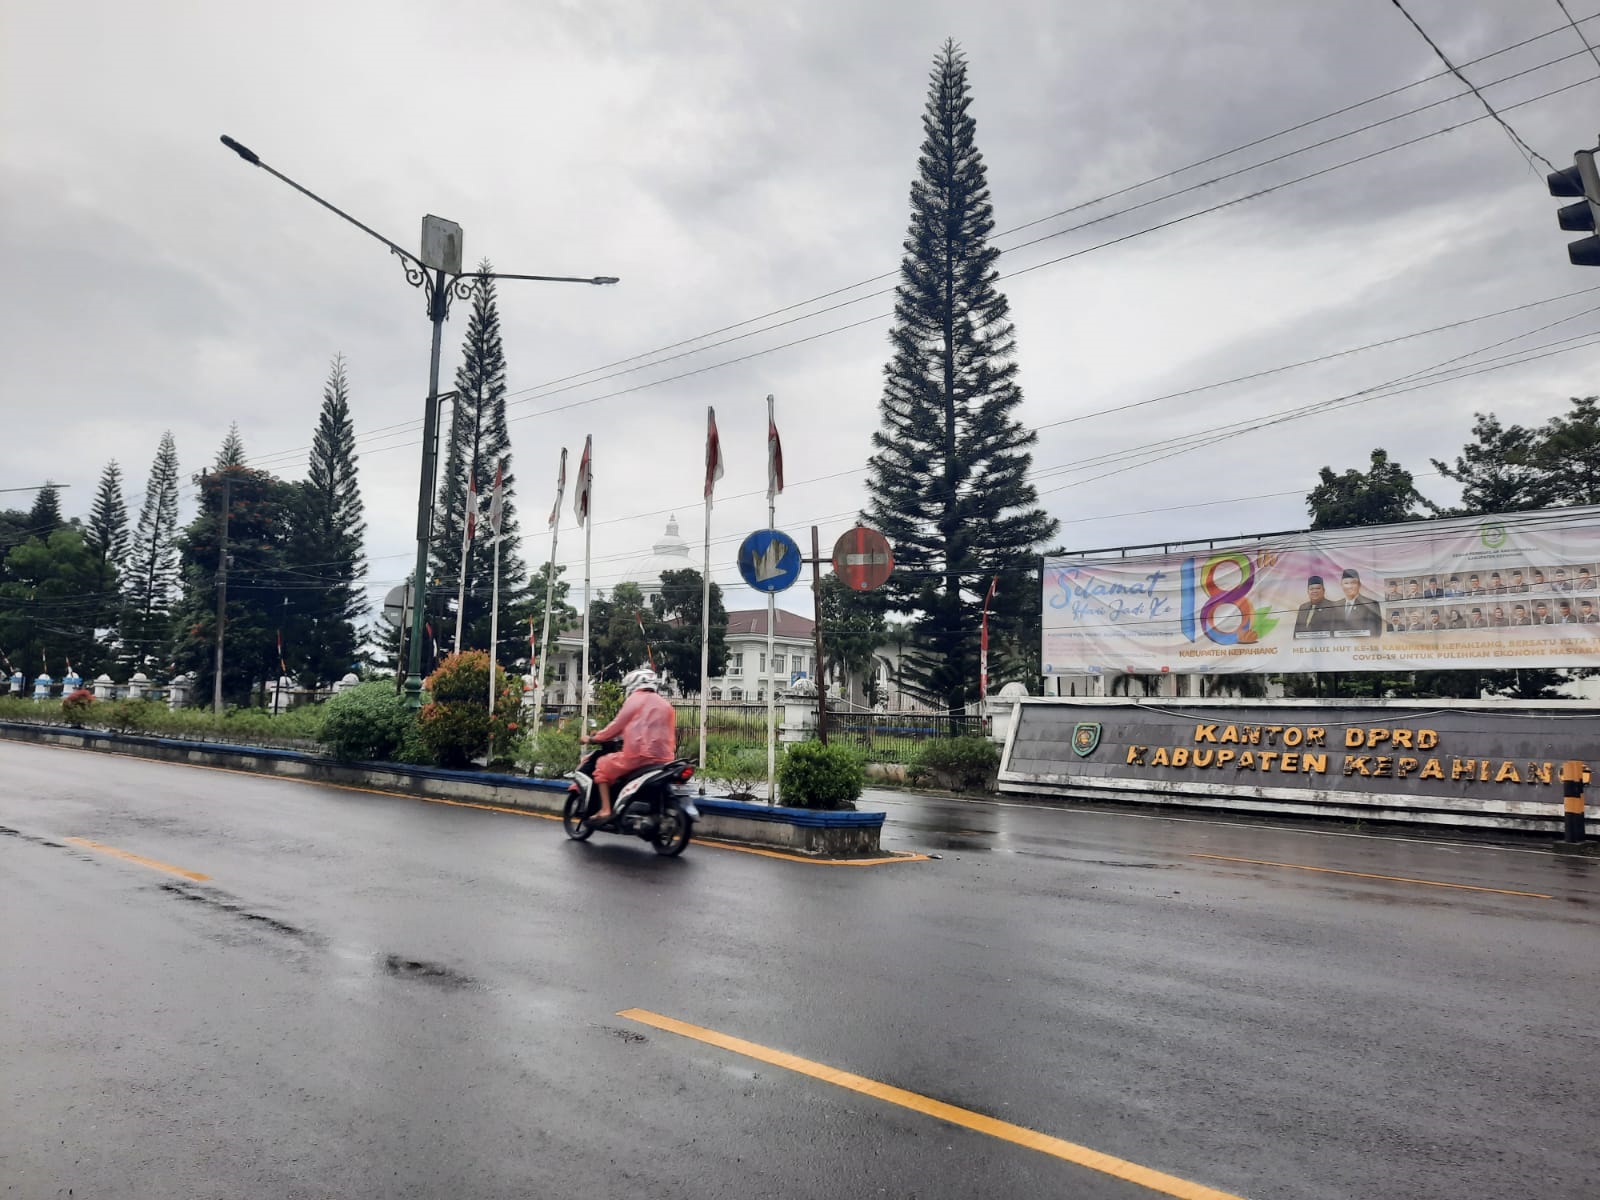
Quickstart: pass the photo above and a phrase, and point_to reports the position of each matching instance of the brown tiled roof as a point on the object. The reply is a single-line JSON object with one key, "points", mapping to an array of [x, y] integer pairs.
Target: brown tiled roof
{"points": [[754, 620]]}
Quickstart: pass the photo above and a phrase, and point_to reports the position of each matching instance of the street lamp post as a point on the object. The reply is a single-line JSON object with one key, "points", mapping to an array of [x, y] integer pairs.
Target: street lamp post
{"points": [[438, 272]]}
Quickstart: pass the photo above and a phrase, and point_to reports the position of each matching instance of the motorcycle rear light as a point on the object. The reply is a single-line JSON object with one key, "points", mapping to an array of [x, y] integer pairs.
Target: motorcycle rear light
{"points": [[686, 774]]}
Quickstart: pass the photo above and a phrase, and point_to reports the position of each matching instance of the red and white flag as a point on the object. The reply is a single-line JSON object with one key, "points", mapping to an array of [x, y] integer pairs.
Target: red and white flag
{"points": [[561, 490], [713, 452], [472, 507], [774, 456], [580, 502], [497, 498]]}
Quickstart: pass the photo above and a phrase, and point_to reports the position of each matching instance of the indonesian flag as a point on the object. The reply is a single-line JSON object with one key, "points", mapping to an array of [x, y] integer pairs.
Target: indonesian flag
{"points": [[580, 502], [497, 498], [561, 490], [282, 670], [774, 456], [983, 643], [472, 506], [713, 452]]}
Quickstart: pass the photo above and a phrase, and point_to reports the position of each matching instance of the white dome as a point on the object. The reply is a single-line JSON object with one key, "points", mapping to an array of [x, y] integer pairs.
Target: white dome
{"points": [[670, 553]]}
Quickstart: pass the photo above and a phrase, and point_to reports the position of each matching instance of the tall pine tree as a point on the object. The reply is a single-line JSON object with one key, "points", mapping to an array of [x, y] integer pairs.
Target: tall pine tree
{"points": [[478, 441], [326, 554], [45, 516], [107, 534], [232, 452], [948, 479], [152, 577]]}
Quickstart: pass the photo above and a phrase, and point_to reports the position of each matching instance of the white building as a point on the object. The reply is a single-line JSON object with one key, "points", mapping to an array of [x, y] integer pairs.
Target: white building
{"points": [[750, 673]]}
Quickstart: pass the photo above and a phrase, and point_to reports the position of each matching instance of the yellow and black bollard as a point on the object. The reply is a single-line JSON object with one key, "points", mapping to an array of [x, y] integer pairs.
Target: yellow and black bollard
{"points": [[1573, 776]]}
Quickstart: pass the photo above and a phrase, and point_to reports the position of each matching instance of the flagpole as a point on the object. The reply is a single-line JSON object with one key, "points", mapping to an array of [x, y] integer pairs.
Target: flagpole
{"points": [[466, 549], [705, 639], [772, 620], [585, 471], [549, 598]]}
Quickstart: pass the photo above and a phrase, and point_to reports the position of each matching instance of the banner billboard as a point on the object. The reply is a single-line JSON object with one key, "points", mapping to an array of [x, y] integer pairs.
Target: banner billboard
{"points": [[1521, 590]]}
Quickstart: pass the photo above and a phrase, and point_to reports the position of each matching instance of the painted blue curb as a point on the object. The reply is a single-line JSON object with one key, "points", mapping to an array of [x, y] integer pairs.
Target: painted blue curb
{"points": [[809, 818]]}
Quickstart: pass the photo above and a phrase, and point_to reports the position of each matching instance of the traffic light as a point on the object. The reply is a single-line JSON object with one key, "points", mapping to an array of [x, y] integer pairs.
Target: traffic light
{"points": [[1580, 179]]}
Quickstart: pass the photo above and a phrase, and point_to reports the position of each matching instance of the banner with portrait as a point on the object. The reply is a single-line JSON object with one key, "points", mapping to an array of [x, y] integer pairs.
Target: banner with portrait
{"points": [[1521, 590]]}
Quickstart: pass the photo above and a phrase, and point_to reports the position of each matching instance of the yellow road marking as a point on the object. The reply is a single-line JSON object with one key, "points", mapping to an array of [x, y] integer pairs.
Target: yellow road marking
{"points": [[499, 808], [139, 858], [1106, 1164], [1463, 887]]}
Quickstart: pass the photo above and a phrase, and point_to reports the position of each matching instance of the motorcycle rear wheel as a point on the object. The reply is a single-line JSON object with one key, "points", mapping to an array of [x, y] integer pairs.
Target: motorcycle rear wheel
{"points": [[673, 834], [572, 818]]}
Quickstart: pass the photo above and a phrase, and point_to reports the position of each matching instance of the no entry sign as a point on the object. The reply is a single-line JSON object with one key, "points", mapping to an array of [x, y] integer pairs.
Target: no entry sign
{"points": [[862, 558]]}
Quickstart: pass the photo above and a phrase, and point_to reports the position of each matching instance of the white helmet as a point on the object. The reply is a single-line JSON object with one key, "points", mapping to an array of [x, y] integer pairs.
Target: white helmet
{"points": [[643, 677]]}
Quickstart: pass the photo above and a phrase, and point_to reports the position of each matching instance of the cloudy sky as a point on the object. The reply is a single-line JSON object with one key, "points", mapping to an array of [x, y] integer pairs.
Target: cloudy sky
{"points": [[744, 168]]}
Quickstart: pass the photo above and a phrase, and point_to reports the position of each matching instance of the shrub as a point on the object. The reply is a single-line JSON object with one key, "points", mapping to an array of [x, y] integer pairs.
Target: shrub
{"points": [[76, 705], [368, 721], [549, 754], [811, 775], [129, 716], [608, 698], [738, 764], [455, 725], [956, 763]]}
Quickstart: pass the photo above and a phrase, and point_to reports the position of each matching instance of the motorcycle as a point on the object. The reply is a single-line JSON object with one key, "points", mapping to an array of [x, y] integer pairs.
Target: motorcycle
{"points": [[653, 803]]}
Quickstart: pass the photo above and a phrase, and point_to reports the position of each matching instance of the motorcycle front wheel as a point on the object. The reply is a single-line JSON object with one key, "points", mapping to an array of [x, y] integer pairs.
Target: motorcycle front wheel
{"points": [[673, 834], [572, 818]]}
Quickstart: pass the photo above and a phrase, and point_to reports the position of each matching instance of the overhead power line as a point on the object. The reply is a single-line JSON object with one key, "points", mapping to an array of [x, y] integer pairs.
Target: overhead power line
{"points": [[1578, 29], [554, 387], [1511, 133]]}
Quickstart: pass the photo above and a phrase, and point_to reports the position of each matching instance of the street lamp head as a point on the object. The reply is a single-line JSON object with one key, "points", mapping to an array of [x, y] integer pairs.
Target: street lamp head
{"points": [[604, 279], [243, 152]]}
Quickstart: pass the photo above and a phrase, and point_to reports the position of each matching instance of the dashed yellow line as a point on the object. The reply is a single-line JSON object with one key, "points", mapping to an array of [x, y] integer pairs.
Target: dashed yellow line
{"points": [[1461, 887], [1106, 1164], [139, 858]]}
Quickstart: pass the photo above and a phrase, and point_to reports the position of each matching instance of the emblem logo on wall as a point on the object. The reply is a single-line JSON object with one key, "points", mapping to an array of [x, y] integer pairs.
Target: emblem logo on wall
{"points": [[1085, 737]]}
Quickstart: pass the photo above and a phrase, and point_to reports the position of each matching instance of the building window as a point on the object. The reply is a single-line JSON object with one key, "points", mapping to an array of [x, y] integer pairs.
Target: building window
{"points": [[716, 694], [736, 667], [762, 670], [736, 695], [761, 698], [777, 669], [561, 676]]}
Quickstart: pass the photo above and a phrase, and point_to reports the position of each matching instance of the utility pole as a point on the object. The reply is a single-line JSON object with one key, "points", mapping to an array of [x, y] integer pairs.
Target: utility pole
{"points": [[222, 587]]}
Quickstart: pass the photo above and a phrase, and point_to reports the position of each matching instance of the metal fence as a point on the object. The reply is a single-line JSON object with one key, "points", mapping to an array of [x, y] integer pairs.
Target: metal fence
{"points": [[894, 737]]}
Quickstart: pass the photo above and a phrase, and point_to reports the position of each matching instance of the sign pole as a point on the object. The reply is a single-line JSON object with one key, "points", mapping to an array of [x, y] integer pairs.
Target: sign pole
{"points": [[816, 633]]}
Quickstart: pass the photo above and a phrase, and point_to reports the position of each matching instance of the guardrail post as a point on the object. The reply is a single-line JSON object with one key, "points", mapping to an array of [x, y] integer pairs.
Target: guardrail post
{"points": [[1573, 776]]}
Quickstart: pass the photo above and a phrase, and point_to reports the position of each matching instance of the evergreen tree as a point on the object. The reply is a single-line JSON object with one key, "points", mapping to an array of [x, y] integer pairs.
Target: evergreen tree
{"points": [[479, 441], [1568, 454], [676, 628], [1497, 470], [107, 534], [45, 516], [326, 552], [51, 605], [948, 479], [1383, 495], [232, 452], [260, 531], [152, 578]]}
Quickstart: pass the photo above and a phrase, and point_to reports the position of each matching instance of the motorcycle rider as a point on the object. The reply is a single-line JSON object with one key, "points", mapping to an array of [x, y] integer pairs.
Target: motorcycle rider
{"points": [[648, 729]]}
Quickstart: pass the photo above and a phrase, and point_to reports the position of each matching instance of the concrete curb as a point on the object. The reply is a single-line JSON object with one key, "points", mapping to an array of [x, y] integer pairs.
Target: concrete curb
{"points": [[808, 832]]}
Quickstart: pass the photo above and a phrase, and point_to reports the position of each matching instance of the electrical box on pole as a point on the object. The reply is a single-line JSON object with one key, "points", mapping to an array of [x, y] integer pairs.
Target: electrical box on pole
{"points": [[1580, 179]]}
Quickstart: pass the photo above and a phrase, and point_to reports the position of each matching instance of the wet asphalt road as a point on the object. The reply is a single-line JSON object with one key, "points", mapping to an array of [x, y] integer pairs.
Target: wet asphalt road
{"points": [[373, 996]]}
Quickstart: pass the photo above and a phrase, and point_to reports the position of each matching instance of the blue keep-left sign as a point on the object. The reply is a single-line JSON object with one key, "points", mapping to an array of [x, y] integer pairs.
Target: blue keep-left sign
{"points": [[769, 560]]}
